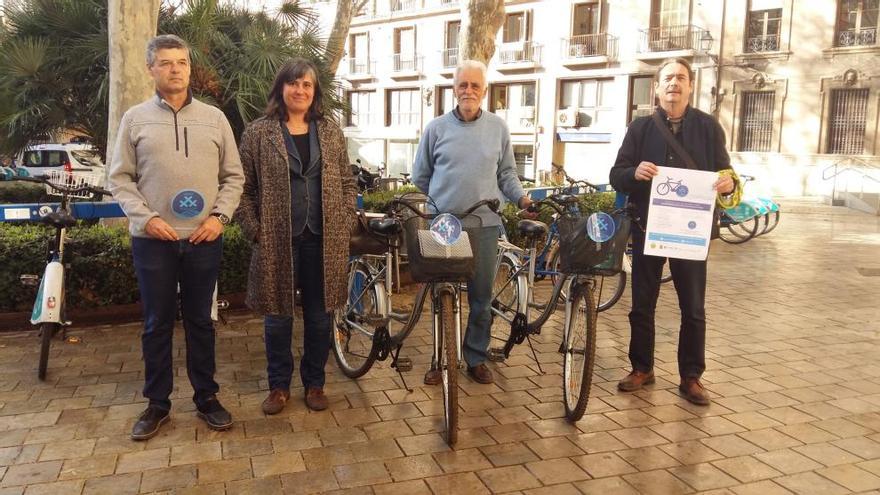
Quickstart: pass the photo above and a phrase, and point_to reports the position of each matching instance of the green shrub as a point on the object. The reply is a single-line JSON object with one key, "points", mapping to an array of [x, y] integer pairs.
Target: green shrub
{"points": [[377, 201], [100, 266], [23, 192], [589, 203]]}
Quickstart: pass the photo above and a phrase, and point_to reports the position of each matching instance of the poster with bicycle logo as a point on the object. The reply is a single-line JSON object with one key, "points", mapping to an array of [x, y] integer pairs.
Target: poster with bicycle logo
{"points": [[680, 213]]}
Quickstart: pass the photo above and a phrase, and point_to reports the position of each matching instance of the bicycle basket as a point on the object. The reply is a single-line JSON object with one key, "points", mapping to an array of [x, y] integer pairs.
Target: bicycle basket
{"points": [[580, 254], [73, 179], [431, 261]]}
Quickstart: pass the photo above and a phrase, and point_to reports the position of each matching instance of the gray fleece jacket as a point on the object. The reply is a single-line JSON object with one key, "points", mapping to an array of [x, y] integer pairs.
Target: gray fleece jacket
{"points": [[180, 166]]}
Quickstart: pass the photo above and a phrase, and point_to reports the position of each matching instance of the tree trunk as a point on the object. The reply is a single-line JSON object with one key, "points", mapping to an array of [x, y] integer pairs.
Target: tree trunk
{"points": [[130, 27], [480, 22], [345, 10]]}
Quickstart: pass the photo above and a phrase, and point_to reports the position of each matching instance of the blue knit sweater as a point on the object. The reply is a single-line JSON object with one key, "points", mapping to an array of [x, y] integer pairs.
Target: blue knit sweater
{"points": [[459, 163]]}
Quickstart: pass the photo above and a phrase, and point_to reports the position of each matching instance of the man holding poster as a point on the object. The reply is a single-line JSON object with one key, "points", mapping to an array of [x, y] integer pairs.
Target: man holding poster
{"points": [[650, 163]]}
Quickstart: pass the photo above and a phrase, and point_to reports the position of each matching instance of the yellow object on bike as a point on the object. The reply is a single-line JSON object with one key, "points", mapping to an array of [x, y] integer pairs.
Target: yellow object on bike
{"points": [[732, 199]]}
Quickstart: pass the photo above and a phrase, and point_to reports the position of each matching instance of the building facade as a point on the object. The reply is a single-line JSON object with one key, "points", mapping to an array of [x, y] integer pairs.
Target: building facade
{"points": [[795, 84]]}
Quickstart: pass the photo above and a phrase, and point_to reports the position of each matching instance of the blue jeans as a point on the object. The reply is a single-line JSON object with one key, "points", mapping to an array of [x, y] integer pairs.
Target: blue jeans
{"points": [[479, 324], [309, 275], [160, 266]]}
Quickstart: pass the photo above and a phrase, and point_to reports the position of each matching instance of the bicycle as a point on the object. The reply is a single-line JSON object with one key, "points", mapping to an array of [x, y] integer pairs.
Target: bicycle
{"points": [[670, 185], [743, 222], [363, 330], [49, 306], [582, 259]]}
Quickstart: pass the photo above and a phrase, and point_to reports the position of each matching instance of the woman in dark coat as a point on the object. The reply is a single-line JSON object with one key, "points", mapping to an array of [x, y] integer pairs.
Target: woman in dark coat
{"points": [[297, 208]]}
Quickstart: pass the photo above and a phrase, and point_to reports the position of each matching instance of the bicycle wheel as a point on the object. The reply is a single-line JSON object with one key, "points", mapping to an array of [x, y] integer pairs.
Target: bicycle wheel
{"points": [[771, 220], [580, 353], [449, 368], [612, 289], [505, 303], [555, 264], [47, 331], [740, 232], [352, 332], [666, 276]]}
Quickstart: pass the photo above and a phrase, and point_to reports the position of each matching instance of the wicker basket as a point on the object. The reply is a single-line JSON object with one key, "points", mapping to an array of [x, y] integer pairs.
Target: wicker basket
{"points": [[73, 180]]}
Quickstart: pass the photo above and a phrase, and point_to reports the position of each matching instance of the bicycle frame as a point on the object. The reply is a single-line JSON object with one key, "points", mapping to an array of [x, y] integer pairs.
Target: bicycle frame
{"points": [[49, 303]]}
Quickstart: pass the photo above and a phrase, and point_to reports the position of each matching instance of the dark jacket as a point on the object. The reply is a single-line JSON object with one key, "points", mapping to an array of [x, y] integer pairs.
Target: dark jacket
{"points": [[701, 135], [264, 215]]}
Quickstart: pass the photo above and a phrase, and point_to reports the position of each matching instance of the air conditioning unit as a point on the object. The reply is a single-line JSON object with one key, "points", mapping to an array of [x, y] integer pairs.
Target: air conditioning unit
{"points": [[567, 117]]}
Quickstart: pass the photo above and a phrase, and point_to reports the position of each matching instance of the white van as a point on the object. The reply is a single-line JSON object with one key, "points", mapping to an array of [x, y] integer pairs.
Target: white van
{"points": [[39, 159]]}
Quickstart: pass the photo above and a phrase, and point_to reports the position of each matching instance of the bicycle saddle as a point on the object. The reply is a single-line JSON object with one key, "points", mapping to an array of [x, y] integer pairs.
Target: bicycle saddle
{"points": [[385, 226], [59, 219], [532, 228]]}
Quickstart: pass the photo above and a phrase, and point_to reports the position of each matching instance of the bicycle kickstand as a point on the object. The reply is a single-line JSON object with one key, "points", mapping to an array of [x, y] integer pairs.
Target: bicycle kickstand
{"points": [[534, 354], [401, 364]]}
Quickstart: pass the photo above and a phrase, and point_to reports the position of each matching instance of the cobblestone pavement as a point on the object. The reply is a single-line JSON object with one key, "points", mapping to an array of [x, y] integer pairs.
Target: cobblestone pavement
{"points": [[793, 344]]}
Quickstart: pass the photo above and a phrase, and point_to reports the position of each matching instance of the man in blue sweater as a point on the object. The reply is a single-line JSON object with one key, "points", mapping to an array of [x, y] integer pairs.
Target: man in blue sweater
{"points": [[466, 156]]}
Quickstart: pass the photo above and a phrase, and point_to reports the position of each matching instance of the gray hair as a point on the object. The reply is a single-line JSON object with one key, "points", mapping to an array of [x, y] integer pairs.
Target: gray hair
{"points": [[471, 64], [162, 42]]}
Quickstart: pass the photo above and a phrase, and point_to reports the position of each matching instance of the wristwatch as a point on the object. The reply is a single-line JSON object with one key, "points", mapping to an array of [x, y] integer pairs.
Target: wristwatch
{"points": [[224, 220]]}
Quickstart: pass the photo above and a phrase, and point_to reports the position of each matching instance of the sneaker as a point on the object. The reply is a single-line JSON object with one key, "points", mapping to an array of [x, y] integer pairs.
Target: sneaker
{"points": [[315, 399], [433, 376], [276, 400], [481, 373], [148, 423], [214, 414]]}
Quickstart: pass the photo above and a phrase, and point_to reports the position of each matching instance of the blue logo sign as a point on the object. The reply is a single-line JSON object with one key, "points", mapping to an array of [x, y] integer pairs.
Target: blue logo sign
{"points": [[187, 204], [692, 225], [600, 227], [446, 229]]}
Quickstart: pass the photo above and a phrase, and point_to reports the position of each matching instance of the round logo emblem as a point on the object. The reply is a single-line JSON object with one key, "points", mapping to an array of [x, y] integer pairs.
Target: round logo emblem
{"points": [[692, 225], [682, 191], [600, 227], [446, 229], [187, 204]]}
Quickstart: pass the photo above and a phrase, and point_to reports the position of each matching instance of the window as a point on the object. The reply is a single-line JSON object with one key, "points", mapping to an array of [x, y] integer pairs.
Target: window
{"points": [[848, 115], [450, 54], [857, 22], [594, 99], [586, 19], [668, 13], [516, 27], [756, 121], [445, 100], [515, 103], [363, 108], [763, 25], [405, 49], [403, 107], [359, 53], [524, 157], [641, 97]]}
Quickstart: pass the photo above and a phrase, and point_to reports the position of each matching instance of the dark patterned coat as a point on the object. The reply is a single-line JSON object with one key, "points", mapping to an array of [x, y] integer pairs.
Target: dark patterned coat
{"points": [[264, 215]]}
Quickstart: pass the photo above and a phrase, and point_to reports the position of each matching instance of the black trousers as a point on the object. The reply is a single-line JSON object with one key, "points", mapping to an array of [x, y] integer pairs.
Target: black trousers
{"points": [[689, 278]]}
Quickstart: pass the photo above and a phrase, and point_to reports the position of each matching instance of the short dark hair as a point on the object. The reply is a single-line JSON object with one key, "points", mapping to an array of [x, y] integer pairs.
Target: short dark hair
{"points": [[288, 73], [163, 42], [669, 61]]}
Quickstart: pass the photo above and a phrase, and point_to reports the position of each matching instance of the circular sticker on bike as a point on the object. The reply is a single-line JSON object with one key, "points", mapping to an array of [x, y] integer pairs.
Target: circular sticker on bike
{"points": [[187, 204], [600, 227], [446, 229]]}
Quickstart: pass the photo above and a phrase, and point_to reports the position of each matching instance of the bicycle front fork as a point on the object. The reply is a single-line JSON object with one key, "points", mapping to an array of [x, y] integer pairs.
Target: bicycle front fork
{"points": [[436, 311]]}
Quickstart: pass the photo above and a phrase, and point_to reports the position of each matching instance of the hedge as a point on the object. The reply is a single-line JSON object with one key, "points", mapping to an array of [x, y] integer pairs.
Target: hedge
{"points": [[23, 192], [100, 266]]}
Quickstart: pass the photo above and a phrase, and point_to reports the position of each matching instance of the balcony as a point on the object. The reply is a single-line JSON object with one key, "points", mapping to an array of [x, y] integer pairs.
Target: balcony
{"points": [[519, 55], [669, 41], [406, 65], [448, 60], [404, 5], [761, 44], [587, 49], [857, 37], [519, 120], [360, 69]]}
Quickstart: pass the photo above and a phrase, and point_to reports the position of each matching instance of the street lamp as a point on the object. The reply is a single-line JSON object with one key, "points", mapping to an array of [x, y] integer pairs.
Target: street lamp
{"points": [[706, 42]]}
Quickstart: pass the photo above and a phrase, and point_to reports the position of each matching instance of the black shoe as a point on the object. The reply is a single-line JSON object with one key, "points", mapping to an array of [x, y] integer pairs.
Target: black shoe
{"points": [[214, 414], [149, 422]]}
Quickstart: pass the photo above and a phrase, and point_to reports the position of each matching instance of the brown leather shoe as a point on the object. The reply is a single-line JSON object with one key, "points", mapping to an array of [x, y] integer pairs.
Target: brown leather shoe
{"points": [[481, 373], [433, 376], [276, 400], [635, 381], [315, 399], [692, 390]]}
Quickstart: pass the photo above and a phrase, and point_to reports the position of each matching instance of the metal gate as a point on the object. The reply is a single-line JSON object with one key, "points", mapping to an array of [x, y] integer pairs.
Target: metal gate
{"points": [[846, 128], [756, 121]]}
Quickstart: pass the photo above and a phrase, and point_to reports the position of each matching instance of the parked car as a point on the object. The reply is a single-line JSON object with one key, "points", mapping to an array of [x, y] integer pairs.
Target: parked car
{"points": [[39, 159]]}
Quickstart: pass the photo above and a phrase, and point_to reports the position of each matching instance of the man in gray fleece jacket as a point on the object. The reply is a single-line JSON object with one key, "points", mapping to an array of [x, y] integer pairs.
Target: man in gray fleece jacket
{"points": [[466, 156], [176, 173]]}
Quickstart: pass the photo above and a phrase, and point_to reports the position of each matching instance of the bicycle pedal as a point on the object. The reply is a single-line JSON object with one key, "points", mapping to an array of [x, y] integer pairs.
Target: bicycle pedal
{"points": [[404, 365], [496, 355]]}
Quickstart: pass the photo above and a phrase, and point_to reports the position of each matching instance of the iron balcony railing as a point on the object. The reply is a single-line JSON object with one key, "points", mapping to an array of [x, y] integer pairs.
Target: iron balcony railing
{"points": [[857, 37], [757, 44], [520, 51], [449, 57], [589, 45], [670, 38], [358, 66], [404, 5], [406, 62]]}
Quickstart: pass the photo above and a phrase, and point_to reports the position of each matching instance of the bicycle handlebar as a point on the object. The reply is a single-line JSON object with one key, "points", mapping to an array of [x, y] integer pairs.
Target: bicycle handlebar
{"points": [[492, 204], [63, 189]]}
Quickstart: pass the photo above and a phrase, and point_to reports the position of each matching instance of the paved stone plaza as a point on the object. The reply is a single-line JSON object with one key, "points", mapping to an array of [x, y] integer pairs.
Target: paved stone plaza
{"points": [[793, 345]]}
